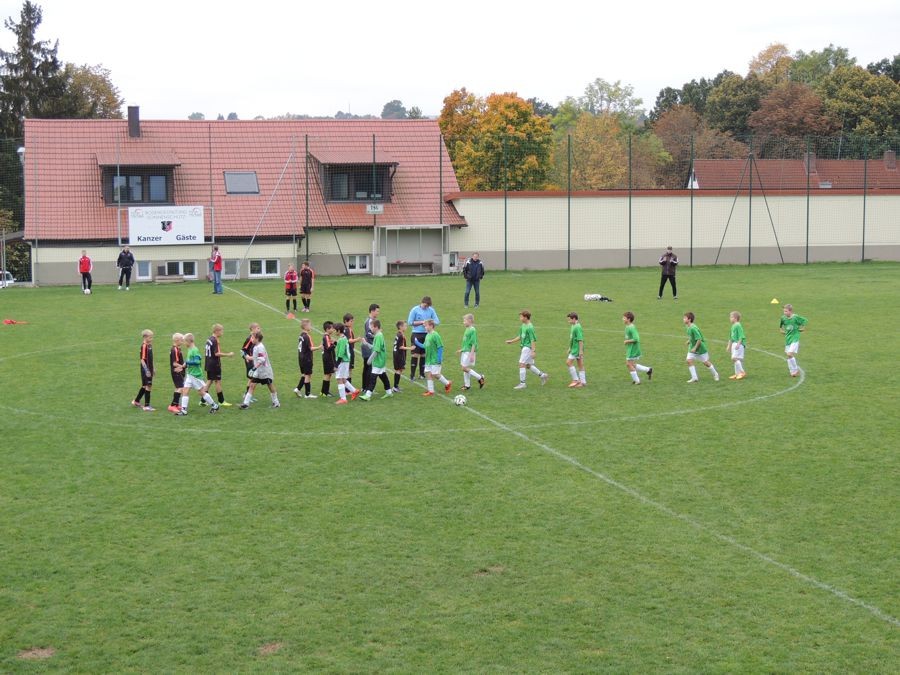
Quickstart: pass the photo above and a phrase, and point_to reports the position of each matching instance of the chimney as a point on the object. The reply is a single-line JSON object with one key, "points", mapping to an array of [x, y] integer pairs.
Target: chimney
{"points": [[809, 162], [134, 121], [890, 160]]}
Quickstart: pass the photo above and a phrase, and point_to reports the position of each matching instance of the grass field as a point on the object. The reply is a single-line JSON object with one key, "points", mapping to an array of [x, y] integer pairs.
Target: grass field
{"points": [[734, 526]]}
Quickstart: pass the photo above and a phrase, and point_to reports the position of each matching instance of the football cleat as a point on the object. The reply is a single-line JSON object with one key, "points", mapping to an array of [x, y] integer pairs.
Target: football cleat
{"points": [[428, 393], [481, 382], [225, 404], [297, 391], [341, 401], [521, 385], [650, 374], [741, 375], [136, 404], [243, 406], [447, 387], [173, 409], [148, 408], [574, 383], [692, 380], [544, 378], [354, 395]]}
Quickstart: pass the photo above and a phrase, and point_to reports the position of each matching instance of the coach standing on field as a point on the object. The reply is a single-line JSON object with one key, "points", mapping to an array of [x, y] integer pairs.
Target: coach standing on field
{"points": [[473, 272], [215, 260], [125, 262], [669, 263], [85, 267]]}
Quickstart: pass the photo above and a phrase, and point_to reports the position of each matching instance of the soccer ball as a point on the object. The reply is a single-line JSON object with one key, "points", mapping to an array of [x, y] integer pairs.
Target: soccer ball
{"points": [[460, 400], [87, 291]]}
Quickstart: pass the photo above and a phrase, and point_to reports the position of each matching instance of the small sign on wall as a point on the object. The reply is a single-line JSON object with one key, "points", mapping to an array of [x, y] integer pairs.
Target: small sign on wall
{"points": [[165, 225], [374, 209]]}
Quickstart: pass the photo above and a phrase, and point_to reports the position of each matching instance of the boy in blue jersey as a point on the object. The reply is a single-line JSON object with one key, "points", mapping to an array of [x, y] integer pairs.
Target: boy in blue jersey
{"points": [[417, 317]]}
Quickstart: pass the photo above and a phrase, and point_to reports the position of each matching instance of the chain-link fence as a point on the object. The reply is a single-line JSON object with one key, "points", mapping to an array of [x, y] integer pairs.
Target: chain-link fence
{"points": [[594, 196]]}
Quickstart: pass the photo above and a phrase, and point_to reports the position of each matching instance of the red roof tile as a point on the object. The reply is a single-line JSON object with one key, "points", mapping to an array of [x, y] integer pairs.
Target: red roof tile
{"points": [[64, 197], [137, 159], [790, 174]]}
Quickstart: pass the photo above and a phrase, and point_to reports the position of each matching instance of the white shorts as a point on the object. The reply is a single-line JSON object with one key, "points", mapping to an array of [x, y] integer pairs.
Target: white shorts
{"points": [[702, 358], [572, 357], [792, 348], [466, 360], [342, 372], [192, 382], [434, 369], [526, 357], [737, 351], [377, 371]]}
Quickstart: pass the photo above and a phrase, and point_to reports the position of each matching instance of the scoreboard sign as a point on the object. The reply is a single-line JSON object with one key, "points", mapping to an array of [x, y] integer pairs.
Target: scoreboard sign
{"points": [[165, 225]]}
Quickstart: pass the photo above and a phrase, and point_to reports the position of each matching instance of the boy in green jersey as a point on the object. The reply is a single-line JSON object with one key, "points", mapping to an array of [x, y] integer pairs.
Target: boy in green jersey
{"points": [[576, 352], [434, 357], [194, 378], [736, 343], [468, 352], [792, 325], [697, 349], [377, 361], [528, 340], [633, 350], [342, 363]]}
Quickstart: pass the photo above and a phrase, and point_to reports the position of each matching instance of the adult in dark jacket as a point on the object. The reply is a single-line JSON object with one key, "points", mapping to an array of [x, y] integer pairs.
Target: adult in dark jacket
{"points": [[668, 261], [125, 262], [473, 272]]}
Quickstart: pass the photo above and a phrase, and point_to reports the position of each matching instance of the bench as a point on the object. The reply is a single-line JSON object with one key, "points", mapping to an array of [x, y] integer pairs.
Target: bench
{"points": [[400, 267], [169, 278]]}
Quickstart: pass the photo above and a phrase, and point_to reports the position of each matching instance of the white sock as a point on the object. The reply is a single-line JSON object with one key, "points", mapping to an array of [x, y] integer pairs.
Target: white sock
{"points": [[738, 367], [582, 376], [342, 391], [522, 375], [184, 402], [712, 369], [349, 388], [573, 373], [643, 369], [444, 380], [634, 375], [467, 378], [209, 399], [534, 369], [274, 397], [247, 398], [430, 385], [792, 364], [473, 374], [693, 371]]}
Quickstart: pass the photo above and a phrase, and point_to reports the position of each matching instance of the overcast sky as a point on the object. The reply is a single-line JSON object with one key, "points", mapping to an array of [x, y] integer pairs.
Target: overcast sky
{"points": [[269, 58]]}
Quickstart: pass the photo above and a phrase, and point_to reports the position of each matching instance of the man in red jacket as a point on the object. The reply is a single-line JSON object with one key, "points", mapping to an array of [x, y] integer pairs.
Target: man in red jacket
{"points": [[85, 266]]}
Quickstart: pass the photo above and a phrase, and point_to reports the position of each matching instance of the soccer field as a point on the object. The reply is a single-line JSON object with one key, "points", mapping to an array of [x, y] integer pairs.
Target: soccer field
{"points": [[720, 526]]}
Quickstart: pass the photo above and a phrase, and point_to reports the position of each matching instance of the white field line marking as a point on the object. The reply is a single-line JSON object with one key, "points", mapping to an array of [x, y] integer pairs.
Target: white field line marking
{"points": [[697, 525]]}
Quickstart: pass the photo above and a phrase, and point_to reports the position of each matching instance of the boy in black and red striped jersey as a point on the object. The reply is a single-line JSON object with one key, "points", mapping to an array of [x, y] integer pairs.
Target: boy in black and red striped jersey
{"points": [[400, 349], [307, 281], [305, 349], [176, 367], [213, 363], [327, 358], [247, 354], [147, 372], [290, 289]]}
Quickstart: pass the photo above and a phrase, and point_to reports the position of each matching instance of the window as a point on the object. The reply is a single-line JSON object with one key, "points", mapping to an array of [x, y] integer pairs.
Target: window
{"points": [[241, 183], [230, 269], [358, 182], [143, 270], [358, 264], [137, 186], [185, 268], [264, 268]]}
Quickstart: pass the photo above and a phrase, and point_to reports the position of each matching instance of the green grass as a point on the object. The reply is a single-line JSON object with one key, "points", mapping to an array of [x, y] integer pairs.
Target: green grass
{"points": [[730, 526]]}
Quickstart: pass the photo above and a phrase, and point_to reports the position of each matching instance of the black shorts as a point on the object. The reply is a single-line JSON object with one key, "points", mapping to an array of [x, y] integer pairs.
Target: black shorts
{"points": [[290, 292], [418, 351], [305, 290], [214, 374], [352, 359], [261, 380], [178, 380], [146, 380], [400, 360], [306, 365], [328, 363]]}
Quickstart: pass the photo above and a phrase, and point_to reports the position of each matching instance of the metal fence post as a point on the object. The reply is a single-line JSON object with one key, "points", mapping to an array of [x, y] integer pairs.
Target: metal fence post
{"points": [[629, 200], [865, 190], [568, 201], [807, 199], [505, 204], [691, 187]]}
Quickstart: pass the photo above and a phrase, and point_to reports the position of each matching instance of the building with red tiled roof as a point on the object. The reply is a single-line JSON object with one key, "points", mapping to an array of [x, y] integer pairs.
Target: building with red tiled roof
{"points": [[365, 196], [878, 173]]}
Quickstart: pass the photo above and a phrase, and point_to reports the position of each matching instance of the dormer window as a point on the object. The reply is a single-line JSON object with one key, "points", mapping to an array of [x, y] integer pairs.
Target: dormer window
{"points": [[144, 178], [355, 175]]}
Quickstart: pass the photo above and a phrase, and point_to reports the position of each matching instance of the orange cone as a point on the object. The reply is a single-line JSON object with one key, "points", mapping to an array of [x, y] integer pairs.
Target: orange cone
{"points": [[290, 315]]}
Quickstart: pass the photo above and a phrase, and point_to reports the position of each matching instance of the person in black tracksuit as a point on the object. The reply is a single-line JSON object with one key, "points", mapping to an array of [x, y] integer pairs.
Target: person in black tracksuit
{"points": [[669, 263], [473, 272], [125, 262]]}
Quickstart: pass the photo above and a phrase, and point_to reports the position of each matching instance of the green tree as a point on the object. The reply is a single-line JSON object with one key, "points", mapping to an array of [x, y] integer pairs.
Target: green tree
{"points": [[666, 99], [542, 108], [414, 113], [510, 148], [861, 103], [613, 98], [393, 110], [91, 93], [232, 116], [32, 82], [730, 104], [815, 66], [887, 67], [196, 116]]}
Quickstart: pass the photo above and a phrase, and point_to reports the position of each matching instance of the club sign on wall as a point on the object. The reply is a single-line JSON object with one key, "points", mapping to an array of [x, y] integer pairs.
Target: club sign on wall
{"points": [[165, 225]]}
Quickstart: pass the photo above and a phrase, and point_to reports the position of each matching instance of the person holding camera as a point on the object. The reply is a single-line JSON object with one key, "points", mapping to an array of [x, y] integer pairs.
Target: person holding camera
{"points": [[669, 263]]}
